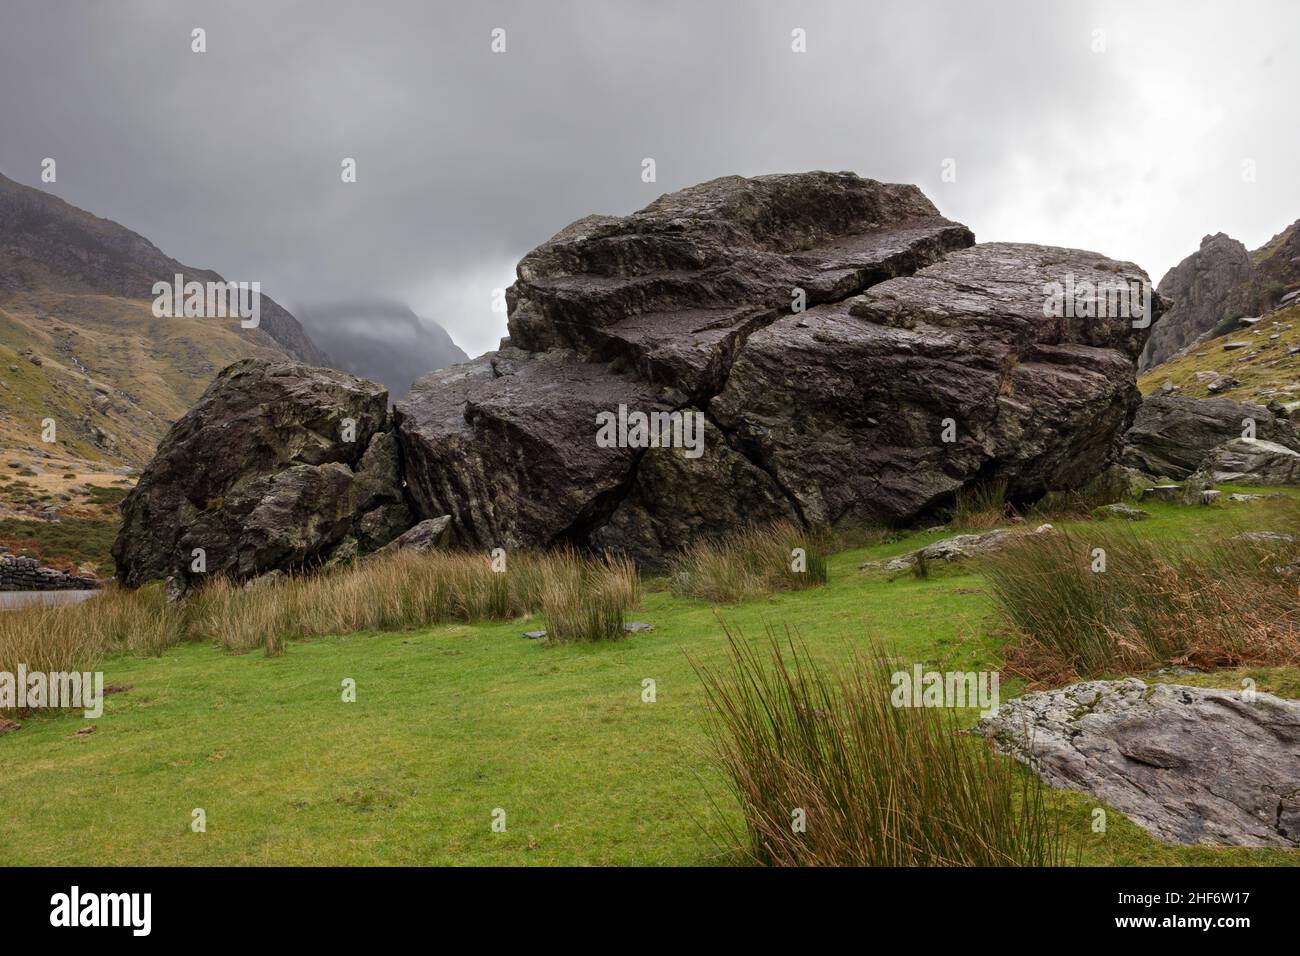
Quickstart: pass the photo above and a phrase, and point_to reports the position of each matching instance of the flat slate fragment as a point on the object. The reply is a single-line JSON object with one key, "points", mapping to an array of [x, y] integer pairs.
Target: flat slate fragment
{"points": [[1189, 764]]}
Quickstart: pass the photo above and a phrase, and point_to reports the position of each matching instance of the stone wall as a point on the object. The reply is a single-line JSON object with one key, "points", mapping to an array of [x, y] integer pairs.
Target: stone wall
{"points": [[26, 574]]}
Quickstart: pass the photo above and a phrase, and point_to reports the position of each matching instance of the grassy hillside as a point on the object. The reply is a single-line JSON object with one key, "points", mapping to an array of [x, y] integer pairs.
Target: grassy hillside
{"points": [[113, 378], [111, 375], [453, 722], [1267, 369]]}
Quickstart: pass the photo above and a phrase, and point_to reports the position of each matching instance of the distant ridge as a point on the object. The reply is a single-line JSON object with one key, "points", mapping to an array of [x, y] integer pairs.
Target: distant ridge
{"points": [[46, 242]]}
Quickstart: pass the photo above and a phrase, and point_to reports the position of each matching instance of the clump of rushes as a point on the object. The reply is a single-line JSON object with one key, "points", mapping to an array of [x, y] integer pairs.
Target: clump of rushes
{"points": [[751, 562], [982, 505], [76, 637], [583, 595], [873, 784], [584, 600], [1218, 601]]}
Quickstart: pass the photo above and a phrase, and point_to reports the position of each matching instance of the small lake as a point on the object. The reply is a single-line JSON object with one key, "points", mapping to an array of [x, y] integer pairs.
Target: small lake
{"points": [[13, 600]]}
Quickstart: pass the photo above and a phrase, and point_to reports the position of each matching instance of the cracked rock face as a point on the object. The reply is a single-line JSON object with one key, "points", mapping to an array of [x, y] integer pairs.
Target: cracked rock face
{"points": [[675, 288], [259, 475], [825, 326], [1218, 283], [1208, 286], [1189, 764], [506, 445]]}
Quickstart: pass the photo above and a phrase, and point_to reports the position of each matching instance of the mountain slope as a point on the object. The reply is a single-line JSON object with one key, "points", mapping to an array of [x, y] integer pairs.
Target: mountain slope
{"points": [[1267, 366], [45, 243], [79, 343], [110, 375]]}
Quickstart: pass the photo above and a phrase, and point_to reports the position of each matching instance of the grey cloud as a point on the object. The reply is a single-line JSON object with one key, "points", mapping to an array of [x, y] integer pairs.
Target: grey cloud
{"points": [[230, 160]]}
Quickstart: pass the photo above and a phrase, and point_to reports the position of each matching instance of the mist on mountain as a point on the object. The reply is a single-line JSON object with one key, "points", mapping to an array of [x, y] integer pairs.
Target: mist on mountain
{"points": [[381, 340]]}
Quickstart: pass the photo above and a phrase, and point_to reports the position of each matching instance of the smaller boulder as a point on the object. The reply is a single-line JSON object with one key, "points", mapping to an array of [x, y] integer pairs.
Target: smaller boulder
{"points": [[431, 534], [1162, 493], [1119, 510], [1255, 462], [956, 548]]}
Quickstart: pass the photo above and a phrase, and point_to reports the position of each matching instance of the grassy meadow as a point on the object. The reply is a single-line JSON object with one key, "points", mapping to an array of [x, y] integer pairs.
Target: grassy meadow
{"points": [[454, 721]]}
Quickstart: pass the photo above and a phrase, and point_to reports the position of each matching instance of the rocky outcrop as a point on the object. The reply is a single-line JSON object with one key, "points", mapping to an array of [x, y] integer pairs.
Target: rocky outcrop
{"points": [[1189, 764], [849, 359], [1219, 284], [1172, 435], [1207, 287], [277, 466]]}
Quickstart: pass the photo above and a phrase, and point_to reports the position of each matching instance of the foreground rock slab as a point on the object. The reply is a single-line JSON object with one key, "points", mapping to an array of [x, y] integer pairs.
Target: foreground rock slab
{"points": [[1189, 764]]}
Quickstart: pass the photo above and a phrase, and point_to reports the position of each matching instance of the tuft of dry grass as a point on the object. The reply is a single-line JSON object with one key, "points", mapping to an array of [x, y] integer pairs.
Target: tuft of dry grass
{"points": [[982, 506], [828, 772], [75, 637], [581, 597], [1218, 601], [751, 562]]}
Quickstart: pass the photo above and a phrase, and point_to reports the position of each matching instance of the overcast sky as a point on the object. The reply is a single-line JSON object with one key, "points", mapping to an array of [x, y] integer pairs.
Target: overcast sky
{"points": [[467, 159]]}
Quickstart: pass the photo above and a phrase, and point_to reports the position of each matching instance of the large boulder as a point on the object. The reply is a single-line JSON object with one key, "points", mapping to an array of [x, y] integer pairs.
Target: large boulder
{"points": [[1189, 764], [647, 312], [278, 466], [1173, 434], [825, 330], [816, 347]]}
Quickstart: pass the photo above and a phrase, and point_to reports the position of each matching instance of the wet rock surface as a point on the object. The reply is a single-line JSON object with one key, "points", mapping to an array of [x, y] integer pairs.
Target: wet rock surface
{"points": [[847, 405], [1254, 463]]}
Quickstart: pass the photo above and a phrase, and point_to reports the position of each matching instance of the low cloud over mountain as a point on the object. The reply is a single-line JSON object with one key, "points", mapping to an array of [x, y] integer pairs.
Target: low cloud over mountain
{"points": [[382, 341]]}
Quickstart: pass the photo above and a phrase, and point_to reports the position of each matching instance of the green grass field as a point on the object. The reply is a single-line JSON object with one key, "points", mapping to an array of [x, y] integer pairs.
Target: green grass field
{"points": [[451, 723]]}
